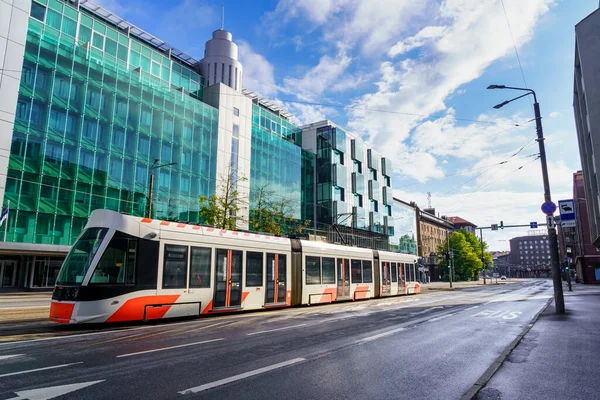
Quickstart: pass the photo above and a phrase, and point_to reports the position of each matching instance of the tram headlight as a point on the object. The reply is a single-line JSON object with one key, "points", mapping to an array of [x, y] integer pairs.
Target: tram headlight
{"points": [[71, 293]]}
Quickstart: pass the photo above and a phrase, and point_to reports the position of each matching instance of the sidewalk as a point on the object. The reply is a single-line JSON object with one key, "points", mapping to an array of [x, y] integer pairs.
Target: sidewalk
{"points": [[24, 306], [558, 357]]}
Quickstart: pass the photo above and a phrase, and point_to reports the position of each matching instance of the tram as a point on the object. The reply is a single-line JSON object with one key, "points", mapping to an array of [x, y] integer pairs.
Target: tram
{"points": [[125, 268]]}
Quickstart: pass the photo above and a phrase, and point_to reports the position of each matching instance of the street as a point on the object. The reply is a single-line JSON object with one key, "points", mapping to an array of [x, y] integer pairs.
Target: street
{"points": [[436, 346]]}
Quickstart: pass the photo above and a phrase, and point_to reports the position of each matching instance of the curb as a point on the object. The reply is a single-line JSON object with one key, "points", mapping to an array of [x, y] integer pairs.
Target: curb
{"points": [[471, 394]]}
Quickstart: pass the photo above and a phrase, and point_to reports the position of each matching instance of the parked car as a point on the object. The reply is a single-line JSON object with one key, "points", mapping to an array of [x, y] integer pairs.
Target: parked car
{"points": [[503, 278]]}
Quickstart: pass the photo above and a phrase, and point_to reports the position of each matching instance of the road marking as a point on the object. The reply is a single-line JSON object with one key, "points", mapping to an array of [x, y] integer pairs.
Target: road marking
{"points": [[239, 377], [39, 369], [52, 391], [471, 308], [10, 356], [380, 335], [169, 348], [274, 330], [440, 317]]}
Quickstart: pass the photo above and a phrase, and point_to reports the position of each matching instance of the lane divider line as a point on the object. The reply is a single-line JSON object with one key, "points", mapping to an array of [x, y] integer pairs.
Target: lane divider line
{"points": [[10, 356], [440, 317], [239, 377], [275, 330], [169, 348], [39, 369], [380, 335]]}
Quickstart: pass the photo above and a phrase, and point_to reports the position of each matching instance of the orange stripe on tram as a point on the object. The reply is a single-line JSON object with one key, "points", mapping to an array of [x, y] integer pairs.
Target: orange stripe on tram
{"points": [[133, 309], [61, 312]]}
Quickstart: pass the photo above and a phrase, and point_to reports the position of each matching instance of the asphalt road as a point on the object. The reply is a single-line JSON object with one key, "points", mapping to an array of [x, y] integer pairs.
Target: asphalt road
{"points": [[425, 346]]}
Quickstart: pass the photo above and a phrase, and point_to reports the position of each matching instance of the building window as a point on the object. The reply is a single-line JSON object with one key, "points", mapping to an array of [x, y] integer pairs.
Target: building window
{"points": [[222, 73], [236, 111], [229, 84], [235, 131]]}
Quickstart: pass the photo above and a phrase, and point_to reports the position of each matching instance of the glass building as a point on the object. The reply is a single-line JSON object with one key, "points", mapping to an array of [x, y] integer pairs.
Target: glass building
{"points": [[93, 108], [403, 238]]}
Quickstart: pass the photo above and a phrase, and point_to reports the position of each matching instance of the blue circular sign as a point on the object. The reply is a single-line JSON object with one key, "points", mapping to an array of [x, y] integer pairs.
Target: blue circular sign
{"points": [[548, 208]]}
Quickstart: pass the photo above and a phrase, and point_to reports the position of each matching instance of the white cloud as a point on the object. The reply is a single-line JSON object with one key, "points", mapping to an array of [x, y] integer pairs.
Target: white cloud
{"points": [[259, 74], [554, 114], [424, 35]]}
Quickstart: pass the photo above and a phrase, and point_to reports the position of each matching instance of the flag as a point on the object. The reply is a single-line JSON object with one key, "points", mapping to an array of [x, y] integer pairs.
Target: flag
{"points": [[4, 215]]}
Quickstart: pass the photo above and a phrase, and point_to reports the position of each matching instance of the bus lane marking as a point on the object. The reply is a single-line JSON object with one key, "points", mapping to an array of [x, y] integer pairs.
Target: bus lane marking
{"points": [[6, 357], [169, 348], [239, 377], [498, 314]]}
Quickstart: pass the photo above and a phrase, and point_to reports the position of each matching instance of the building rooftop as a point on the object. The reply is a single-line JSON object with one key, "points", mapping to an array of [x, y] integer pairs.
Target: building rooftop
{"points": [[267, 104], [137, 32], [460, 221]]}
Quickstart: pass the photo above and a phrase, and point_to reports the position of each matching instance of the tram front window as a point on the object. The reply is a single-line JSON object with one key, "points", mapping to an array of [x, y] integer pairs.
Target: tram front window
{"points": [[80, 257], [117, 264]]}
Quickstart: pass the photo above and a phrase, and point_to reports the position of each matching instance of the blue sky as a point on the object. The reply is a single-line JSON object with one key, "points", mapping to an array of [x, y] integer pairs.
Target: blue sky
{"points": [[427, 64]]}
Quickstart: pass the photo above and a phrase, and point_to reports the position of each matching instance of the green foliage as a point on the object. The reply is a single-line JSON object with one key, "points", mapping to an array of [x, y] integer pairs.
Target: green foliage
{"points": [[273, 215], [466, 248], [221, 209]]}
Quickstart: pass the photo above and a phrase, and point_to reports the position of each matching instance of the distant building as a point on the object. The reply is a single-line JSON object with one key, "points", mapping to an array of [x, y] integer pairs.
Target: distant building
{"points": [[461, 223], [585, 258], [502, 263], [433, 231], [530, 255], [586, 104]]}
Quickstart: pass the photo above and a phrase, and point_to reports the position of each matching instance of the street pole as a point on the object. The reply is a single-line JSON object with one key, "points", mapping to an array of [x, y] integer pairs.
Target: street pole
{"points": [[448, 259], [559, 300], [151, 185], [482, 256]]}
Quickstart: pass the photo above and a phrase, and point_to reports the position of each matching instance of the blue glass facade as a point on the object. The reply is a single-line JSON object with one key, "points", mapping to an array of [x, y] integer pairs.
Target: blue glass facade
{"points": [[96, 107], [403, 228]]}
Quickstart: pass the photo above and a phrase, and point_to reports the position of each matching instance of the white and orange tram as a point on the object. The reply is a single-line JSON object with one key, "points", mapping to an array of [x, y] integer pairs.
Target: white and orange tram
{"points": [[124, 268]]}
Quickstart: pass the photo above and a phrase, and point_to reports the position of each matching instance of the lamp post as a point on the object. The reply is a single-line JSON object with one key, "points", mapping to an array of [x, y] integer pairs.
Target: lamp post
{"points": [[151, 185], [559, 300]]}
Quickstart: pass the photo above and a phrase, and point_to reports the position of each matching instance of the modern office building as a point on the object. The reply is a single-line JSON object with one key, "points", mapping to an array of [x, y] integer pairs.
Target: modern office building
{"points": [[586, 104], [531, 254], [93, 109]]}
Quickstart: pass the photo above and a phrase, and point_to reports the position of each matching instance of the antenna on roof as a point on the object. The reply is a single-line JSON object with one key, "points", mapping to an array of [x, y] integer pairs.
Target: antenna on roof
{"points": [[428, 199], [222, 16]]}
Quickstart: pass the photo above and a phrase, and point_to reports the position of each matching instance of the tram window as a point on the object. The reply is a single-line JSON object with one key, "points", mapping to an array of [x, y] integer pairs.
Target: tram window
{"points": [[117, 265], [147, 263], [313, 270], [200, 267], [394, 272], [175, 267], [328, 270], [356, 271], [367, 272], [254, 268]]}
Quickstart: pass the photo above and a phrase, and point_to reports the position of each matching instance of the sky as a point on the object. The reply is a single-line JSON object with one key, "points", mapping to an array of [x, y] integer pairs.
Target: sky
{"points": [[409, 77]]}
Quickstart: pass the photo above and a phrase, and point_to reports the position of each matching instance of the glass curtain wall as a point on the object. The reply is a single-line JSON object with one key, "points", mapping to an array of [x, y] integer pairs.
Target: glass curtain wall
{"points": [[90, 121], [277, 163]]}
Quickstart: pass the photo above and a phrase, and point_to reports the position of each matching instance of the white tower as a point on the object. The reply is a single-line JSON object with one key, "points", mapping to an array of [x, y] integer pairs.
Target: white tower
{"points": [[220, 62]]}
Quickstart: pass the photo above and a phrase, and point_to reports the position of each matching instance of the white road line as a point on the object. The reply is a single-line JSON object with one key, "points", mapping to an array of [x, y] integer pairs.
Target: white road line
{"points": [[169, 348], [441, 317], [239, 377], [380, 335], [39, 369], [10, 356], [274, 330], [471, 308]]}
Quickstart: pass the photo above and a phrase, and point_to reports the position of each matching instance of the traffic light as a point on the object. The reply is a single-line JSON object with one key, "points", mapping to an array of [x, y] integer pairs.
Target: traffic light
{"points": [[501, 224], [569, 250]]}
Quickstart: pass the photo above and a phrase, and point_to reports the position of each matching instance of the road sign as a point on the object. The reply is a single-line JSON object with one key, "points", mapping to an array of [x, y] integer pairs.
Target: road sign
{"points": [[548, 208], [567, 213], [550, 223], [494, 227], [533, 225]]}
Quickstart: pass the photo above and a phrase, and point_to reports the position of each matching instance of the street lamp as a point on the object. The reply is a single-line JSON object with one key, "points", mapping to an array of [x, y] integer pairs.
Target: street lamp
{"points": [[559, 300], [152, 168]]}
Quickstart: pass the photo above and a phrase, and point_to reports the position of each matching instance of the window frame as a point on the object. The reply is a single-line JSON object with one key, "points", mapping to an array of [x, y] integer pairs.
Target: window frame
{"points": [[185, 259], [261, 271], [306, 275], [191, 270]]}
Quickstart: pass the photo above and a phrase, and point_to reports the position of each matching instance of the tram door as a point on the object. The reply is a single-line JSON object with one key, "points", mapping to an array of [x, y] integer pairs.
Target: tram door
{"points": [[385, 278], [228, 278], [276, 278], [343, 278], [401, 279]]}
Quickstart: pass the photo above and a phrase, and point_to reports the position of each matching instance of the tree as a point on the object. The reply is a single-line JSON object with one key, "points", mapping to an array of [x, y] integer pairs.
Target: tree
{"points": [[466, 249], [273, 215], [221, 209]]}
